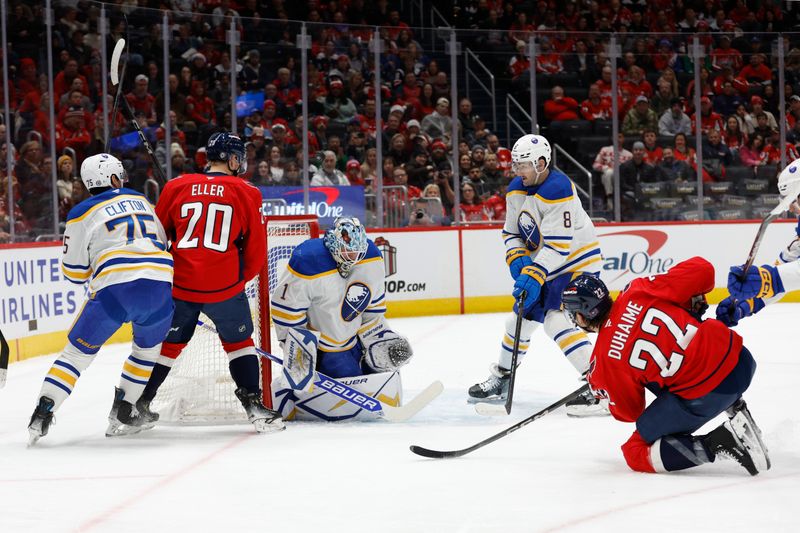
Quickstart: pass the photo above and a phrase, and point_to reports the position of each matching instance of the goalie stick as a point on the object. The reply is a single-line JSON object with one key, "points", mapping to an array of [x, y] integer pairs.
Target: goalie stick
{"points": [[4, 352], [435, 454], [361, 399]]}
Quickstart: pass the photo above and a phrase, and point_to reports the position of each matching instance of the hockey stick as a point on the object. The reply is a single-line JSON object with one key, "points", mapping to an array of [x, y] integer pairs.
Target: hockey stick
{"points": [[434, 454], [116, 81], [777, 211], [361, 399], [114, 74], [4, 351]]}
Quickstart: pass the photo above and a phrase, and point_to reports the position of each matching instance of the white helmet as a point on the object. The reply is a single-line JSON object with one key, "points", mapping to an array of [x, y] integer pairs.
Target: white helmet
{"points": [[530, 148], [97, 171], [789, 178]]}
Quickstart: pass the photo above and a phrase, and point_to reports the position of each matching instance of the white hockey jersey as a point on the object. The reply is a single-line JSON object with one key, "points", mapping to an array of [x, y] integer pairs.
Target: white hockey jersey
{"points": [[312, 294], [548, 221], [788, 265], [115, 237]]}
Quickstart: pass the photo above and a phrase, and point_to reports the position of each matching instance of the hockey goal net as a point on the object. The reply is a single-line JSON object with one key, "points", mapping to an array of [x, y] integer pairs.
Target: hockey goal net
{"points": [[199, 389]]}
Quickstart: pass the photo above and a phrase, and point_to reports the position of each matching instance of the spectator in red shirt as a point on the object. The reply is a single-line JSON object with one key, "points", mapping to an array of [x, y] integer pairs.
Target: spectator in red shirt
{"points": [[637, 84], [560, 107], [200, 108], [652, 152], [726, 76], [472, 209], [72, 133], [595, 107], [63, 80], [753, 154], [140, 100], [353, 173], [733, 136], [548, 61], [756, 73], [725, 56], [519, 64], [709, 120], [520, 29], [604, 83], [288, 93]]}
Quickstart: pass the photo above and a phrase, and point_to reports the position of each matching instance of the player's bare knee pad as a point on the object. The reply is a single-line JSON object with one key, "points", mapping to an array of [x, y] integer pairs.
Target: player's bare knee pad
{"points": [[570, 339], [507, 346]]}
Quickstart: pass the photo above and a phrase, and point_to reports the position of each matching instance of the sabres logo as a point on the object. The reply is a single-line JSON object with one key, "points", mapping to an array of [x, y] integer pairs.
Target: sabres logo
{"points": [[356, 300], [529, 230]]}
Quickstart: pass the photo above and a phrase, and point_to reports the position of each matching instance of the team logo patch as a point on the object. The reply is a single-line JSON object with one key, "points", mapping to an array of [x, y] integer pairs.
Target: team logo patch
{"points": [[356, 300], [529, 230], [792, 170]]}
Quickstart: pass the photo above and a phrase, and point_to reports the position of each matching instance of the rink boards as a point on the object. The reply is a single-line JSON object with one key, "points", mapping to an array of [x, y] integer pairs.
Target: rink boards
{"points": [[429, 271]]}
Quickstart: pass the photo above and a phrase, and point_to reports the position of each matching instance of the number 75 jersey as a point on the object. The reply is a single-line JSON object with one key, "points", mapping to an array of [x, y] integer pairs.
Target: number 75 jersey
{"points": [[217, 234], [650, 340]]}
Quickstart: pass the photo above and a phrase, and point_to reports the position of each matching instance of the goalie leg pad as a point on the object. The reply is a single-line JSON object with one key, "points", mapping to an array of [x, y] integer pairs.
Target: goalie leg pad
{"points": [[384, 350], [300, 358]]}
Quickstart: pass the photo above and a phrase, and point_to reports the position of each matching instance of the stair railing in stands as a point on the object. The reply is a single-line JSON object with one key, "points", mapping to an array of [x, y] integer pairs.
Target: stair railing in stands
{"points": [[470, 56], [590, 195]]}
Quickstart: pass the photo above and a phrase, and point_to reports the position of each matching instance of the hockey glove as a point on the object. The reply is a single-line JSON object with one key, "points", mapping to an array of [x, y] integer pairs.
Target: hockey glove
{"points": [[530, 281], [517, 259], [792, 252], [760, 282], [730, 311]]}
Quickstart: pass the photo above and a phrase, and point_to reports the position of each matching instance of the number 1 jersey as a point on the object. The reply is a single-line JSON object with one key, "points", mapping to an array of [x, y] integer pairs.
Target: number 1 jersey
{"points": [[651, 340], [218, 243]]}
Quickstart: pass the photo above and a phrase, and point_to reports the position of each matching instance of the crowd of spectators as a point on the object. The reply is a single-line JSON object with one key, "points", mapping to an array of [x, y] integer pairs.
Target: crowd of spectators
{"points": [[739, 104], [739, 108]]}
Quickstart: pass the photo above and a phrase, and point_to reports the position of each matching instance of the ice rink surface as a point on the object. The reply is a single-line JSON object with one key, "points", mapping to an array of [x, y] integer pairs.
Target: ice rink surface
{"points": [[557, 474]]}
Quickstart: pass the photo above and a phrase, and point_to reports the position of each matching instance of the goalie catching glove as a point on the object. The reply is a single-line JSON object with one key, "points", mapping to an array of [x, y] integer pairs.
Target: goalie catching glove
{"points": [[384, 350]]}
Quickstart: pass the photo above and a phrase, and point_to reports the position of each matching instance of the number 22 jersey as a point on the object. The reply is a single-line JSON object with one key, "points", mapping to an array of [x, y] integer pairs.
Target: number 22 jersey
{"points": [[651, 340], [218, 242]]}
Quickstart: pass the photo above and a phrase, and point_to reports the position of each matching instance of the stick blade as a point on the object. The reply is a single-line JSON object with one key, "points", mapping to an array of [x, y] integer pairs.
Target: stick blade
{"points": [[115, 57], [405, 412], [433, 454], [490, 409]]}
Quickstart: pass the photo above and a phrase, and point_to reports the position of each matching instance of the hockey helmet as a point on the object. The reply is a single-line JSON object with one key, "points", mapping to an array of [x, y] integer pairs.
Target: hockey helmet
{"points": [[346, 240], [529, 149], [587, 295], [222, 145], [789, 178], [97, 171]]}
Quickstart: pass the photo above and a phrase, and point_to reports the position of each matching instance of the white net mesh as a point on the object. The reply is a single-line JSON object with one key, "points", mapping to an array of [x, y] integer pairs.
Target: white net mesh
{"points": [[199, 388]]}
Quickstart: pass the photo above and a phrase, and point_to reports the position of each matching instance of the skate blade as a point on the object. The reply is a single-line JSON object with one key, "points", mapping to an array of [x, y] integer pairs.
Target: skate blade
{"points": [[586, 412], [493, 400], [33, 437], [750, 436], [115, 429], [269, 426]]}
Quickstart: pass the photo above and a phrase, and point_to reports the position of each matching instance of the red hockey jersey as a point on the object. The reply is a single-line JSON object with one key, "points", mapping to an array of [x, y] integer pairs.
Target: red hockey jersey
{"points": [[650, 338], [218, 242]]}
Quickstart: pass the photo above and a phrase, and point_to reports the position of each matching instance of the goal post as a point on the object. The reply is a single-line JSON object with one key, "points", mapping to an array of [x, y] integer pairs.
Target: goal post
{"points": [[199, 389]]}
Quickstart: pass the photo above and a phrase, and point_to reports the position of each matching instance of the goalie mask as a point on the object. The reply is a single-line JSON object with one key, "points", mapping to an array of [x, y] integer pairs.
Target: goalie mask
{"points": [[97, 171], [346, 240]]}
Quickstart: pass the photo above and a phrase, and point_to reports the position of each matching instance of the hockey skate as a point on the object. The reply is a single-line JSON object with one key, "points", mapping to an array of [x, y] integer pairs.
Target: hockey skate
{"points": [[737, 439], [494, 389], [41, 419], [750, 434], [265, 420], [124, 418], [587, 405]]}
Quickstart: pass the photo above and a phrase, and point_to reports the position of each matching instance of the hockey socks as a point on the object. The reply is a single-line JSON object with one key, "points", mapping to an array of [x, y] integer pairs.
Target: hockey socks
{"points": [[245, 372], [64, 373], [137, 371]]}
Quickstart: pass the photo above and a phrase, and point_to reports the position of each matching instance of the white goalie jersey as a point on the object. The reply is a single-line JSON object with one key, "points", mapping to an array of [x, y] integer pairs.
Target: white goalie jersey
{"points": [[549, 222], [311, 294]]}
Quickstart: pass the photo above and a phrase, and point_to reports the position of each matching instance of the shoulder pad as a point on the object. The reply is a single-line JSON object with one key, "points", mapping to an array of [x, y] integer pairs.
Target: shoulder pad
{"points": [[556, 187], [311, 258]]}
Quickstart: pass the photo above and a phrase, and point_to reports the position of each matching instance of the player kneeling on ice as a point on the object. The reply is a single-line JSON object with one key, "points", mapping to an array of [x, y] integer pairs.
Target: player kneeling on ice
{"points": [[653, 337], [765, 284], [328, 310], [114, 241], [549, 240]]}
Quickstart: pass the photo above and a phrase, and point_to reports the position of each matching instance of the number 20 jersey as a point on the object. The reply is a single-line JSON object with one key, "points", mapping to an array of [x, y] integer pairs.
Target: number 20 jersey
{"points": [[650, 340], [218, 242]]}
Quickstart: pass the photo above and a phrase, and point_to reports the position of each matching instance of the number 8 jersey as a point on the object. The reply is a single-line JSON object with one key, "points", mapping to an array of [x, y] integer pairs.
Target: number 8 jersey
{"points": [[651, 340], [218, 242]]}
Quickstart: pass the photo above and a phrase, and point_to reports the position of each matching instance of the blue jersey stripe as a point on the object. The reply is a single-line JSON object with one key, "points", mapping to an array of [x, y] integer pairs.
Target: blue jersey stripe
{"points": [[141, 362], [562, 333], [291, 309], [288, 324], [584, 343], [583, 257], [76, 267], [130, 260]]}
